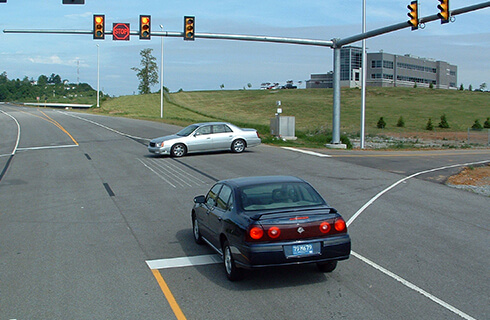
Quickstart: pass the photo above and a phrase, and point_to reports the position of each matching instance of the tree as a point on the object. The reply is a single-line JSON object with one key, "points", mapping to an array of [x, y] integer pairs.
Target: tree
{"points": [[461, 87], [55, 79], [486, 124], [42, 80], [429, 125], [148, 73], [476, 125], [381, 123], [483, 86], [443, 124], [401, 122]]}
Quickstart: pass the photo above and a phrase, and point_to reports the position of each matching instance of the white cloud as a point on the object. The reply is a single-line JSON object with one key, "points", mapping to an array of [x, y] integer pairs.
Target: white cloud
{"points": [[56, 60]]}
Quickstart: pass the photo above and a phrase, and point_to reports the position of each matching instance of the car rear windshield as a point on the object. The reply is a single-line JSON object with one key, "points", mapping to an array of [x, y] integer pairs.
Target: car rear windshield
{"points": [[187, 130], [279, 196]]}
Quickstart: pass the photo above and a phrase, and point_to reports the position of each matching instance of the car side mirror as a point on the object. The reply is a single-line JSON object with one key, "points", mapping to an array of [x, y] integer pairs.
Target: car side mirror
{"points": [[200, 199]]}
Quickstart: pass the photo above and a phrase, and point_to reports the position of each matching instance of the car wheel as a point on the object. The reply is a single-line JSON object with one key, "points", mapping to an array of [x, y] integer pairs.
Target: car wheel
{"points": [[232, 272], [327, 266], [238, 146], [178, 150], [196, 231]]}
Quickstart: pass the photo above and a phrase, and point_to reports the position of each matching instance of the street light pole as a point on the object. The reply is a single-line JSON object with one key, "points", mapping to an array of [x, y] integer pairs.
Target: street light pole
{"points": [[98, 77], [161, 80], [364, 73]]}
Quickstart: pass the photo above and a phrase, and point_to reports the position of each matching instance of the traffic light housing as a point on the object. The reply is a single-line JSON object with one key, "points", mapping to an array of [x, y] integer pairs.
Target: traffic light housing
{"points": [[99, 23], [73, 1], [145, 27], [445, 15], [413, 15], [189, 28]]}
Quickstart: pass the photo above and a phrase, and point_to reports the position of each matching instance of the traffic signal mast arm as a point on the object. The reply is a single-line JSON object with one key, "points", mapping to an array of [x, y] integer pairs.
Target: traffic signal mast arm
{"points": [[398, 26], [323, 43]]}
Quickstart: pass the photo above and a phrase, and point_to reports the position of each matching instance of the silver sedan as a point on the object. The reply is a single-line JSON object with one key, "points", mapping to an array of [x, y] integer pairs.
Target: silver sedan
{"points": [[208, 136]]}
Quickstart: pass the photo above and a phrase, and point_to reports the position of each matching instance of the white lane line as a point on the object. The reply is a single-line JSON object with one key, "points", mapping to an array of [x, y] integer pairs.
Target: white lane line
{"points": [[158, 174], [105, 127], [48, 147], [354, 217], [183, 261], [18, 131], [316, 154], [413, 287], [215, 259]]}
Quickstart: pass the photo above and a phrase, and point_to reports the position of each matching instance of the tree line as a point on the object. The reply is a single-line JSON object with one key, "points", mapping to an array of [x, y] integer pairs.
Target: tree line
{"points": [[44, 88]]}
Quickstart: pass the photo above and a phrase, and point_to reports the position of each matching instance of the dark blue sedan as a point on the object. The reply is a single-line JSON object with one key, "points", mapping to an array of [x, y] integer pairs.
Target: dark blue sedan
{"points": [[259, 222]]}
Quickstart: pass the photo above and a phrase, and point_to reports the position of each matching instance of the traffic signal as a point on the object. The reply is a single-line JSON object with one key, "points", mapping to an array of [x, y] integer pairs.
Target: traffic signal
{"points": [[444, 8], [73, 1], [99, 22], [413, 15], [188, 28], [145, 27]]}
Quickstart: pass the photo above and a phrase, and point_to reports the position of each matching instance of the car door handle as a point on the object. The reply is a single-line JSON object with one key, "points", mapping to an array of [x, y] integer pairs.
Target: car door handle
{"points": [[220, 219]]}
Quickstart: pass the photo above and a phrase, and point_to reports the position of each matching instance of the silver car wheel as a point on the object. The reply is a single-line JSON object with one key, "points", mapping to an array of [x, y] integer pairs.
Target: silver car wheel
{"points": [[178, 150], [232, 272], [238, 146], [228, 261], [196, 231]]}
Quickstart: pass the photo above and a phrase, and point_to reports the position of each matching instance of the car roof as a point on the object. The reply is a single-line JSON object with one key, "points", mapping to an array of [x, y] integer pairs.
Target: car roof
{"points": [[249, 181], [210, 123]]}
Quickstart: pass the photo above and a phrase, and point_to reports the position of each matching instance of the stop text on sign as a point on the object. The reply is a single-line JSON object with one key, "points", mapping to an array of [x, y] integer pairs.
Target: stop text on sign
{"points": [[120, 31]]}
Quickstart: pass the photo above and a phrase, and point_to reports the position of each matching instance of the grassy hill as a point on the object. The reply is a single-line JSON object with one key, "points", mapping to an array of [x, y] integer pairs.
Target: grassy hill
{"points": [[312, 108]]}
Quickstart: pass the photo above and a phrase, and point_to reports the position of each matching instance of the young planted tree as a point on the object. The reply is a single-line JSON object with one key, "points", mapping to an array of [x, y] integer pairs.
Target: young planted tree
{"points": [[148, 73]]}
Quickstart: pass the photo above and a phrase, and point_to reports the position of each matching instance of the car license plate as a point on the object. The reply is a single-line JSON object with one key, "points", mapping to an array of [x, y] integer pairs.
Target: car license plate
{"points": [[302, 249]]}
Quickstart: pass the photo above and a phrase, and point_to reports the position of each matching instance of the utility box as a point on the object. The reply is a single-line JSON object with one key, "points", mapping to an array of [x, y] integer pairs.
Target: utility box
{"points": [[283, 127]]}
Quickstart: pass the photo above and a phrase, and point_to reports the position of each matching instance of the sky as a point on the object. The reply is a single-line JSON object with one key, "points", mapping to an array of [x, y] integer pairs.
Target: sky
{"points": [[208, 64]]}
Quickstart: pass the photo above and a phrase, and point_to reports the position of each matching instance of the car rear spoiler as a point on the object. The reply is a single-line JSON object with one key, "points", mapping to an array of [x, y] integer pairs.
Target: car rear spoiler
{"points": [[303, 211]]}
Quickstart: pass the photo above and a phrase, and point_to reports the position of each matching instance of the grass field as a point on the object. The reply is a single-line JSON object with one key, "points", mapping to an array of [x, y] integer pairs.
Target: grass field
{"points": [[312, 108]]}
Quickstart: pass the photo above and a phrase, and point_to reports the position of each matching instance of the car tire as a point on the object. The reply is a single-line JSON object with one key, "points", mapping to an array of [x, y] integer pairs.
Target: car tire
{"points": [[327, 266], [178, 150], [232, 272], [196, 231], [238, 146]]}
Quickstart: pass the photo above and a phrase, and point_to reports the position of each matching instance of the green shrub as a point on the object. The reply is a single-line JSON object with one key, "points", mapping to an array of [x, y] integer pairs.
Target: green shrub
{"points": [[486, 124], [381, 123], [400, 123], [429, 125], [476, 125], [443, 124]]}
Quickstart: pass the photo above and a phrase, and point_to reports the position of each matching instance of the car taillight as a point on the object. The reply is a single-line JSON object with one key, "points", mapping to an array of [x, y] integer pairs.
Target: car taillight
{"points": [[325, 227], [274, 232], [339, 225], [256, 233], [258, 136]]}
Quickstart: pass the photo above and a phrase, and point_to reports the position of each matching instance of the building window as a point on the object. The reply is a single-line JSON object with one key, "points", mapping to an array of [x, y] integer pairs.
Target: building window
{"points": [[387, 64], [376, 64]]}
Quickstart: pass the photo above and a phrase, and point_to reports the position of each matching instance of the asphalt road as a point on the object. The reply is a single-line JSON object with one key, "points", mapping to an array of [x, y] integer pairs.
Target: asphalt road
{"points": [[92, 226]]}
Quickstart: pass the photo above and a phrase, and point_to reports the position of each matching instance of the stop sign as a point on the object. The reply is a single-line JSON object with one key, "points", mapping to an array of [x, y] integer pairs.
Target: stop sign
{"points": [[120, 31]]}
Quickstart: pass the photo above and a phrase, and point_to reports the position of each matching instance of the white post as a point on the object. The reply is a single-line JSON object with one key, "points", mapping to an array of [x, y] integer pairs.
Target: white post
{"points": [[161, 80], [98, 77], [363, 75]]}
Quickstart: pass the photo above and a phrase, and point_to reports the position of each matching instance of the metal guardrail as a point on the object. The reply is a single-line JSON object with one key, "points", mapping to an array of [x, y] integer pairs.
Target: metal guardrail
{"points": [[59, 105]]}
